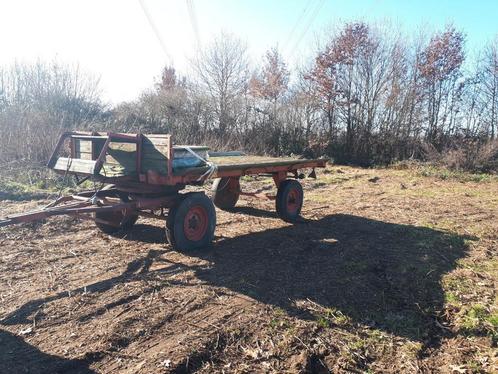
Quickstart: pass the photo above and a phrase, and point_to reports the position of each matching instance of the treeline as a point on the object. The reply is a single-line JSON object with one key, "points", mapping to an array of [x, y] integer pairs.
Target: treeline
{"points": [[370, 96], [38, 102]]}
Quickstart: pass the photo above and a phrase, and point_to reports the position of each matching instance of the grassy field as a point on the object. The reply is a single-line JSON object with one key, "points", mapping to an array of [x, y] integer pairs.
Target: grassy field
{"points": [[391, 270]]}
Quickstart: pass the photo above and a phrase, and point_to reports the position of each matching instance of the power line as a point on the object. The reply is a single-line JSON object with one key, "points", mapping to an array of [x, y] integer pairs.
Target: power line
{"points": [[193, 21], [296, 25], [156, 31], [308, 25]]}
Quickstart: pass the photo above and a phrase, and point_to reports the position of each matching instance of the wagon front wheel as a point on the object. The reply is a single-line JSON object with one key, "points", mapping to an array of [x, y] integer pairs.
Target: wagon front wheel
{"points": [[191, 223], [289, 200]]}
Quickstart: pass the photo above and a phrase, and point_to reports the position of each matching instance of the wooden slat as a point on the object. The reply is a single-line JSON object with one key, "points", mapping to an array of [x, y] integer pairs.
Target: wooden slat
{"points": [[75, 165], [243, 160], [114, 170], [128, 147], [156, 165], [148, 151], [269, 163], [82, 146], [120, 159], [83, 155], [155, 140], [226, 154], [127, 162]]}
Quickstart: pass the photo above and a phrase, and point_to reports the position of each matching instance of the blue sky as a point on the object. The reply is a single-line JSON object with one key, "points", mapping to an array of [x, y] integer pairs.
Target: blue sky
{"points": [[114, 40]]}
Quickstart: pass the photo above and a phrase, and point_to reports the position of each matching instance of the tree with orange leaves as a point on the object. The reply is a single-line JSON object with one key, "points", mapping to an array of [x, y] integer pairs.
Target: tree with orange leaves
{"points": [[439, 65], [271, 83]]}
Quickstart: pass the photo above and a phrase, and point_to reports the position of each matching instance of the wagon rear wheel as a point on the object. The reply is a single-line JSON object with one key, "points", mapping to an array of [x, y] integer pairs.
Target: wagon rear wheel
{"points": [[226, 192], [191, 223], [289, 200], [111, 222]]}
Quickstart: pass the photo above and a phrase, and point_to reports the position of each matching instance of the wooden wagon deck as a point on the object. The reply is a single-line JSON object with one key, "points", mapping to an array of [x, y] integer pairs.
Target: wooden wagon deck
{"points": [[144, 174], [243, 165]]}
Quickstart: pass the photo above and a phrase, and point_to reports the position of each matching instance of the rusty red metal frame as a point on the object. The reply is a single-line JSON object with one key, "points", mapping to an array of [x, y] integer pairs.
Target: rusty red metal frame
{"points": [[91, 202]]}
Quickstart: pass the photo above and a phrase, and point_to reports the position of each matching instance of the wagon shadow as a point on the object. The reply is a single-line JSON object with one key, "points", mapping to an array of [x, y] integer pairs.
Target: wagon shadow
{"points": [[382, 274], [17, 356], [146, 234], [255, 212], [134, 270], [376, 273]]}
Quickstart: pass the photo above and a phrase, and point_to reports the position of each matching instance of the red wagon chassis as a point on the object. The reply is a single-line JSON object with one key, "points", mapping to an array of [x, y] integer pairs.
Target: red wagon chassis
{"points": [[140, 180]]}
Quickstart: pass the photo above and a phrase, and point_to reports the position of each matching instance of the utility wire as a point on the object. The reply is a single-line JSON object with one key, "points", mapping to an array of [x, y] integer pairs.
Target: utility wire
{"points": [[306, 28], [156, 31], [193, 21], [296, 25]]}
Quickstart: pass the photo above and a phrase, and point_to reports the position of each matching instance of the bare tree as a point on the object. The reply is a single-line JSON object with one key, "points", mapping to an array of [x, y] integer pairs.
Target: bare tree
{"points": [[38, 101], [439, 65], [489, 80], [222, 69]]}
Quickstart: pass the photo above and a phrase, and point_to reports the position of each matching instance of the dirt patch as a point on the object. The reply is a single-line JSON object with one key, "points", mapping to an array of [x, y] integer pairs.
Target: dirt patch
{"points": [[393, 276]]}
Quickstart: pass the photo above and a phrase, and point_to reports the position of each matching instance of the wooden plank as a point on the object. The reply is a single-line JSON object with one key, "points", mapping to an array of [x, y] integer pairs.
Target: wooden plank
{"points": [[155, 153], [83, 155], [158, 166], [226, 154], [89, 137], [75, 165], [125, 157], [149, 151], [243, 160], [117, 170], [128, 147], [119, 156], [130, 164], [155, 139], [120, 159], [269, 163], [127, 163], [114, 170], [82, 146]]}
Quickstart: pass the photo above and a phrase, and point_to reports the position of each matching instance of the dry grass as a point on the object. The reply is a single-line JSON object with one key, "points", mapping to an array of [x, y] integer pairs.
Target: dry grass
{"points": [[394, 271]]}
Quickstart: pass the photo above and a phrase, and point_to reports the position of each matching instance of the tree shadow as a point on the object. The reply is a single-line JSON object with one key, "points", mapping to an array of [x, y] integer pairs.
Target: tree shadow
{"points": [[376, 273], [17, 356]]}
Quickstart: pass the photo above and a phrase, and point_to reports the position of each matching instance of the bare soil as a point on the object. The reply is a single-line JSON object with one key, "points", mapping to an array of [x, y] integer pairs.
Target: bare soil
{"points": [[389, 271]]}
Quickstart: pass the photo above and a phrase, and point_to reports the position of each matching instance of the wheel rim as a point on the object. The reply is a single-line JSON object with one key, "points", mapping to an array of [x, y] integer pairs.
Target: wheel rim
{"points": [[195, 224], [294, 199]]}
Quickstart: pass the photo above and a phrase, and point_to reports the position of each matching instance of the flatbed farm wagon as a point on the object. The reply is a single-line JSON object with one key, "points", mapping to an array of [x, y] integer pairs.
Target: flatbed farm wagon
{"points": [[144, 175]]}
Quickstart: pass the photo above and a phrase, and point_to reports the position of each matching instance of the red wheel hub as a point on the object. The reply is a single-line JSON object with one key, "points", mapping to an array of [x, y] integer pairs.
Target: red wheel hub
{"points": [[294, 199], [195, 224]]}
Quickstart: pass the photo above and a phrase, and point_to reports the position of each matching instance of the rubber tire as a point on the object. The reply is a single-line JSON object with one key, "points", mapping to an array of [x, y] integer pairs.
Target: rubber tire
{"points": [[125, 224], [176, 217], [223, 197], [281, 201]]}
